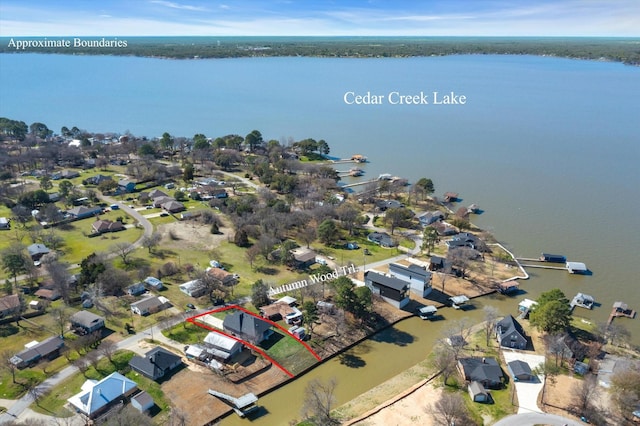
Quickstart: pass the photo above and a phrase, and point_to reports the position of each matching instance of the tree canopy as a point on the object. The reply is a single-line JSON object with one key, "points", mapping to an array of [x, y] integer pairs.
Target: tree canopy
{"points": [[552, 314]]}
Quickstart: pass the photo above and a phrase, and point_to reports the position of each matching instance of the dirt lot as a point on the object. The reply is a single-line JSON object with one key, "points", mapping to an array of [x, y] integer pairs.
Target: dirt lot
{"points": [[187, 391], [192, 235]]}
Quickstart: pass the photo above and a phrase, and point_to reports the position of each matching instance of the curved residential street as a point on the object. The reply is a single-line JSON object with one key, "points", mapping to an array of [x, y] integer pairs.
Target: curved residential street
{"points": [[19, 408], [531, 419]]}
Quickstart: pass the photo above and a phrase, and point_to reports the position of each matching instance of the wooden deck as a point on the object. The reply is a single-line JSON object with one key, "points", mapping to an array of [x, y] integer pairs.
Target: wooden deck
{"points": [[559, 268]]}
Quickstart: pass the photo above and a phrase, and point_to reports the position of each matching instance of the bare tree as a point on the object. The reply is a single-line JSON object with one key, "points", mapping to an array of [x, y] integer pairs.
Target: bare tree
{"points": [[59, 275], [126, 416], [444, 362], [82, 365], [490, 318], [151, 241], [123, 250], [251, 254], [36, 393], [450, 409], [60, 315], [7, 365], [584, 392], [108, 348], [319, 400], [457, 336]]}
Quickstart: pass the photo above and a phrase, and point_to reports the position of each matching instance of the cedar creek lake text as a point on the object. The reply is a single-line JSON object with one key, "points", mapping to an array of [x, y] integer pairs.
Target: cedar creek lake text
{"points": [[397, 98]]}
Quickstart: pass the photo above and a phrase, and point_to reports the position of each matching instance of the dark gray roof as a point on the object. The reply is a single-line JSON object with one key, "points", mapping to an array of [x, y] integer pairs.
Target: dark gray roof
{"points": [[246, 324], [143, 398], [412, 271], [391, 282], [37, 248], [42, 349], [518, 367], [85, 319], [508, 326], [149, 302], [155, 362], [482, 369]]}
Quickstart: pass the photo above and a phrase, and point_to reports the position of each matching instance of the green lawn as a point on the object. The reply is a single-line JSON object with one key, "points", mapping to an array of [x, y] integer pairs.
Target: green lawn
{"points": [[53, 402], [288, 352]]}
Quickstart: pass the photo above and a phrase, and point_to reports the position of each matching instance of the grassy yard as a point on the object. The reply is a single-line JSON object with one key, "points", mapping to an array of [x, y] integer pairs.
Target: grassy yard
{"points": [[288, 352], [53, 402], [186, 333]]}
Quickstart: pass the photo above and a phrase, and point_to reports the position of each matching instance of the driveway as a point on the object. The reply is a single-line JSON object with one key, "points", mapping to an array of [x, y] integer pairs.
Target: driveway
{"points": [[532, 419], [527, 391]]}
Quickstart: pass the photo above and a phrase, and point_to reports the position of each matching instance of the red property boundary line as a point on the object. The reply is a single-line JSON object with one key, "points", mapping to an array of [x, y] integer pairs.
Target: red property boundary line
{"points": [[192, 320]]}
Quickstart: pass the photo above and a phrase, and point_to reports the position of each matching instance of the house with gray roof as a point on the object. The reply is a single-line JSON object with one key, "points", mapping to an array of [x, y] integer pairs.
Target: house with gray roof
{"points": [[96, 397], [34, 352], [419, 278], [156, 363], [149, 305], [247, 327], [392, 290], [510, 334], [520, 371], [37, 250], [478, 393], [486, 371], [10, 305], [86, 322], [82, 212]]}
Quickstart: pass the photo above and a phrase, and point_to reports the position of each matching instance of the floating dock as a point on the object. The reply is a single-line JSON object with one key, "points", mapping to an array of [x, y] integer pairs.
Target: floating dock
{"points": [[621, 309]]}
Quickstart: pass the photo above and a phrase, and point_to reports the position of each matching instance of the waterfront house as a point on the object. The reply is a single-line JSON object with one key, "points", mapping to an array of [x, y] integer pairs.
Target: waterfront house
{"points": [[486, 371], [384, 205], [36, 351], [520, 371], [419, 278], [83, 212], [86, 322], [102, 226], [10, 305], [149, 305], [136, 289], [247, 327], [193, 288], [156, 363], [96, 397], [428, 218], [36, 251], [222, 347], [510, 333], [392, 290], [478, 393], [444, 229]]}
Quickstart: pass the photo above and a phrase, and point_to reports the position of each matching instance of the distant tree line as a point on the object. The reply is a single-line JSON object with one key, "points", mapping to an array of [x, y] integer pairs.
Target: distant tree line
{"points": [[612, 49]]}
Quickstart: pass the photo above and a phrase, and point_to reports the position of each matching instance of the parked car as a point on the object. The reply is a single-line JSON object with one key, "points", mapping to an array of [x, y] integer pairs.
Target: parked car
{"points": [[191, 306]]}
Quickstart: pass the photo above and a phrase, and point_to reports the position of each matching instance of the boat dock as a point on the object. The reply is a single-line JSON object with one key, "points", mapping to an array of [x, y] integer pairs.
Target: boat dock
{"points": [[559, 268], [350, 185], [621, 309], [242, 405]]}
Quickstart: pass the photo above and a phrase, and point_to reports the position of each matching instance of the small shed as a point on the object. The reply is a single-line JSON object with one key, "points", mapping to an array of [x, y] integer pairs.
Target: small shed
{"points": [[142, 402], [478, 393], [520, 371]]}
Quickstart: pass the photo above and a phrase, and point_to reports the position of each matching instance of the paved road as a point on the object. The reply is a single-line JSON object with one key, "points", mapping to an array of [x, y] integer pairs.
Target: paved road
{"points": [[148, 227], [532, 419], [19, 406]]}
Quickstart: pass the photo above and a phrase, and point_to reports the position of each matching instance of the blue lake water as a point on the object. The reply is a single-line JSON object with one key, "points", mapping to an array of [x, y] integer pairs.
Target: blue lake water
{"points": [[548, 147]]}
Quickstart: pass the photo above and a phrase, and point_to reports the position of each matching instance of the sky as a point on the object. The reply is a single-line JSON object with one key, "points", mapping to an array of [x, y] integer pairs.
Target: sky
{"points": [[599, 18]]}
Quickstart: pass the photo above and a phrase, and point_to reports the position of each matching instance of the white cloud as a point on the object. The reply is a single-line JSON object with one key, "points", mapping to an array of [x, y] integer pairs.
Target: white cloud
{"points": [[173, 5]]}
